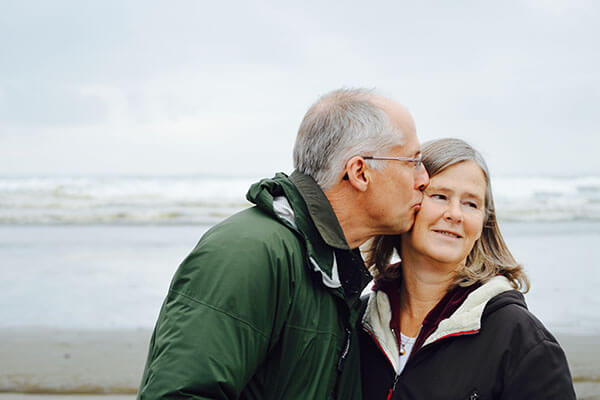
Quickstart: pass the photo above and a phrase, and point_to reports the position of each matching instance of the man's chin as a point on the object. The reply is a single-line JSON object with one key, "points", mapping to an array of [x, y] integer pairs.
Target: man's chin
{"points": [[407, 225], [411, 222], [409, 229], [402, 226]]}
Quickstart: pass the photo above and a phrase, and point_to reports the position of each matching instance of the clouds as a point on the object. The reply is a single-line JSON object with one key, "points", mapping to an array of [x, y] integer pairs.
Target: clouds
{"points": [[39, 104], [193, 87]]}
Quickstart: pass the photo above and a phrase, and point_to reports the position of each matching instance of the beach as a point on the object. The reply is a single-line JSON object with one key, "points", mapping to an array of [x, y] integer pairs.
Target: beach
{"points": [[53, 364], [80, 301]]}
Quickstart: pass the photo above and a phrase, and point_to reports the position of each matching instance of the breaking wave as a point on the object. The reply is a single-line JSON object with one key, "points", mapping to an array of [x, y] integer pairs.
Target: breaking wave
{"points": [[207, 200]]}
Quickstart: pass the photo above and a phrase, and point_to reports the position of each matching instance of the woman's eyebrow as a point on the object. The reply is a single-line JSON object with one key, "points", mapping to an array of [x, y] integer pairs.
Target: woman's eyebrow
{"points": [[439, 189], [451, 191], [473, 195]]}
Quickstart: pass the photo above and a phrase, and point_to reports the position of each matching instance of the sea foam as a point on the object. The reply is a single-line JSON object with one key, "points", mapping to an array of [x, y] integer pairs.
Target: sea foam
{"points": [[207, 200]]}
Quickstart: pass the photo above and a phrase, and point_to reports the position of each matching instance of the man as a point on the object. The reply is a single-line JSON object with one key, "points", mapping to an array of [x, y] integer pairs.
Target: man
{"points": [[266, 305]]}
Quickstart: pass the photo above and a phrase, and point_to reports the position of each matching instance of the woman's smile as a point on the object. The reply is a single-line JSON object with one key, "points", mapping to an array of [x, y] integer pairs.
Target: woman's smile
{"points": [[447, 234]]}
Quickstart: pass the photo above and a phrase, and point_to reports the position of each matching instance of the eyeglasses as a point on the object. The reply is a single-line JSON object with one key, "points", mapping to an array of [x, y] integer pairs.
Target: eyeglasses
{"points": [[417, 162]]}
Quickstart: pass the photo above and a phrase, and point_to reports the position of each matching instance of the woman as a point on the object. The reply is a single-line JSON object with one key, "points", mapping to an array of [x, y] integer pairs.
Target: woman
{"points": [[449, 322]]}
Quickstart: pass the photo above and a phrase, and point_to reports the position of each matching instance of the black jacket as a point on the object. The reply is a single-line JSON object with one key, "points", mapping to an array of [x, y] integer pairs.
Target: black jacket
{"points": [[510, 357]]}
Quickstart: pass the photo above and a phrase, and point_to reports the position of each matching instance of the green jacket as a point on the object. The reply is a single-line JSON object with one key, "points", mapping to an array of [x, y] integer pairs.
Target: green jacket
{"points": [[258, 311]]}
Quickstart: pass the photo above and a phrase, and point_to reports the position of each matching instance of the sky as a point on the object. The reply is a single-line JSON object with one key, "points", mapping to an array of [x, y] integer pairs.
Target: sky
{"points": [[219, 88]]}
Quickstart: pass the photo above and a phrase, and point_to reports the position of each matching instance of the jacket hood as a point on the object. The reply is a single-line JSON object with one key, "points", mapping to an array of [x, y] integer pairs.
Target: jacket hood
{"points": [[505, 299], [263, 192], [467, 318], [279, 198]]}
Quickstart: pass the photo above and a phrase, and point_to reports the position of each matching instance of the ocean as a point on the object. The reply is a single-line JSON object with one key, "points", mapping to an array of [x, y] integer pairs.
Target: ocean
{"points": [[114, 277], [204, 200], [98, 253], [86, 263]]}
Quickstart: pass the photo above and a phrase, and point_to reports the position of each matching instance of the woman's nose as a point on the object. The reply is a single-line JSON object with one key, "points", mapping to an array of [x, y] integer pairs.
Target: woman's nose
{"points": [[454, 212]]}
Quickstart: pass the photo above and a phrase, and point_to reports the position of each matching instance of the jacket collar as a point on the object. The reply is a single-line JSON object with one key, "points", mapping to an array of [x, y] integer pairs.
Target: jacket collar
{"points": [[348, 269], [281, 198], [465, 320], [444, 309], [320, 210]]}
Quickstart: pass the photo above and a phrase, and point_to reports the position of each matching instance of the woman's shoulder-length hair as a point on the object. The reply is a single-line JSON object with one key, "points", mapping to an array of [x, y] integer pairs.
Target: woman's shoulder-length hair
{"points": [[490, 255]]}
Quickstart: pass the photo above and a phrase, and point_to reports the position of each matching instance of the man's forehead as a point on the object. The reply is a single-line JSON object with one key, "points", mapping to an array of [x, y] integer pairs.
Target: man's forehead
{"points": [[401, 118], [411, 144], [407, 149]]}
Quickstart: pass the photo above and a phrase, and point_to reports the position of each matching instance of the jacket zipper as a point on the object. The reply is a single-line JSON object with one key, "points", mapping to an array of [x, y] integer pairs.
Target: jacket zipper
{"points": [[372, 335], [342, 359], [397, 377], [340, 363], [393, 388]]}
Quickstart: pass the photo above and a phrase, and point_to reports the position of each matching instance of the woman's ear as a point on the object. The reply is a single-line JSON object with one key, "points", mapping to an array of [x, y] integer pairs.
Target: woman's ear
{"points": [[357, 173]]}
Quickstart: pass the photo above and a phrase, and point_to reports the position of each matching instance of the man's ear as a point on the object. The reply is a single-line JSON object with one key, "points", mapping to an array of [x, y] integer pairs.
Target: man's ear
{"points": [[357, 173]]}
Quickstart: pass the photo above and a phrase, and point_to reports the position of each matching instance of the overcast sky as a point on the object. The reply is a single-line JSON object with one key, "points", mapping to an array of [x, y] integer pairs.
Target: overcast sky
{"points": [[199, 87]]}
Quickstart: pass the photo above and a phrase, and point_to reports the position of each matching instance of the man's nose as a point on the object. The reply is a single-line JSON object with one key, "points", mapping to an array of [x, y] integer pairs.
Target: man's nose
{"points": [[422, 179]]}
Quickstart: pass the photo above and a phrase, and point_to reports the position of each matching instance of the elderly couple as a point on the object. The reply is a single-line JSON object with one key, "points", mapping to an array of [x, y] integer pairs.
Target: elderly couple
{"points": [[268, 304]]}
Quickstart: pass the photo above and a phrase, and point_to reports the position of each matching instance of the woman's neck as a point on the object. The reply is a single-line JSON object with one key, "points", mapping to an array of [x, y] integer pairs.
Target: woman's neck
{"points": [[423, 286]]}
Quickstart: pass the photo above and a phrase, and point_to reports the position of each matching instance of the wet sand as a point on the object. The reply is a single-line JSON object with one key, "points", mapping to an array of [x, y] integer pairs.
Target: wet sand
{"points": [[41, 364], [53, 361]]}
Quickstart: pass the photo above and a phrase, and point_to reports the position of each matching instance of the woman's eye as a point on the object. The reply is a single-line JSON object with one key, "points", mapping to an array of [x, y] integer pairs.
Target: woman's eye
{"points": [[438, 196], [472, 204]]}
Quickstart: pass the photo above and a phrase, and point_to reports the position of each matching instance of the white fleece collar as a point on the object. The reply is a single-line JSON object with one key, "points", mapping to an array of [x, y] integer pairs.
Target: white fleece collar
{"points": [[376, 320], [466, 319], [284, 210]]}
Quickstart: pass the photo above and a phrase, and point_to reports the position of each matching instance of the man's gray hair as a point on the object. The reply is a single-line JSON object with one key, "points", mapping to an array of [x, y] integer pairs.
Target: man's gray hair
{"points": [[340, 125]]}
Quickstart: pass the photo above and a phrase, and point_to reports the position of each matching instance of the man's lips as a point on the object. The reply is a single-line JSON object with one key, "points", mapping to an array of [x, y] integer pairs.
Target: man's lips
{"points": [[417, 204], [448, 233]]}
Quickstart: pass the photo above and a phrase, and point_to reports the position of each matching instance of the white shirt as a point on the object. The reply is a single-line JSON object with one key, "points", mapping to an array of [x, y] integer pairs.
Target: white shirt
{"points": [[406, 347]]}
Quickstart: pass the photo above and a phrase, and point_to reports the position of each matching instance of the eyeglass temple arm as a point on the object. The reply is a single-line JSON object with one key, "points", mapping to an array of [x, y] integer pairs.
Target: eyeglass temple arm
{"points": [[390, 158]]}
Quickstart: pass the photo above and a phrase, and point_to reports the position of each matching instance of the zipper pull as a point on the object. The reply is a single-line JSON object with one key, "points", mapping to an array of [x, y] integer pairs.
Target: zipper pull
{"points": [[393, 388]]}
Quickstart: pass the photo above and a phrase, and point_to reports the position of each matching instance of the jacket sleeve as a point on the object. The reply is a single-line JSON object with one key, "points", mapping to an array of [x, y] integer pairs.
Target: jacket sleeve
{"points": [[225, 305], [542, 373]]}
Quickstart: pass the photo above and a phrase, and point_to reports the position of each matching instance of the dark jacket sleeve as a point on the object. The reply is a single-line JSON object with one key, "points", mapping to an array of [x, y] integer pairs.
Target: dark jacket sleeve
{"points": [[542, 373], [226, 302]]}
